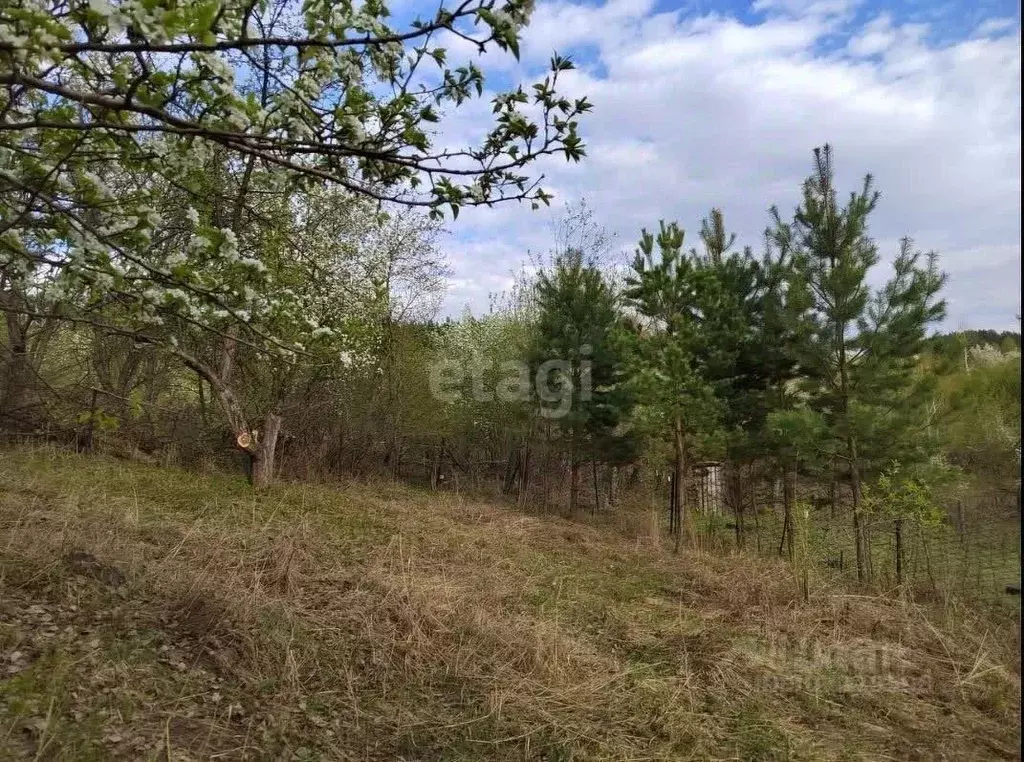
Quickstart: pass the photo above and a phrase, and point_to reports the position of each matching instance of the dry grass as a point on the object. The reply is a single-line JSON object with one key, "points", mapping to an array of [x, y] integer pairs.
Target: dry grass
{"points": [[150, 613]]}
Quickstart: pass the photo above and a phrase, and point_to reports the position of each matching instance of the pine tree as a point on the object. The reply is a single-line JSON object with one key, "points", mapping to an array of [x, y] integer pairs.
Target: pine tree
{"points": [[671, 355], [751, 324], [577, 351], [861, 346], [733, 301]]}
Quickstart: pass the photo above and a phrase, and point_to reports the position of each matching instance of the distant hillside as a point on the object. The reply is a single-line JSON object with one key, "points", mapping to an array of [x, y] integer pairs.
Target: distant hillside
{"points": [[158, 614], [959, 340]]}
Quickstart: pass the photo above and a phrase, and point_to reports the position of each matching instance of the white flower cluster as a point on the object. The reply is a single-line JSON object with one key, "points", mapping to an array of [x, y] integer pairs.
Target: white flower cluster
{"points": [[988, 355]]}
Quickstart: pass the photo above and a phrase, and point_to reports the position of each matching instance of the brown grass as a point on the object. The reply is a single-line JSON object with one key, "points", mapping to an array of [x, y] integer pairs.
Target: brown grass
{"points": [[152, 613]]}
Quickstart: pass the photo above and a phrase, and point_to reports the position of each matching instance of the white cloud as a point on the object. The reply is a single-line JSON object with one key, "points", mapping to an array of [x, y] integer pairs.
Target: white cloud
{"points": [[695, 112], [561, 25], [878, 36], [807, 7], [995, 26]]}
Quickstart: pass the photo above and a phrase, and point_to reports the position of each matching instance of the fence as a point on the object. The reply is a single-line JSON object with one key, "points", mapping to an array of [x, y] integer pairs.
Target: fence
{"points": [[973, 553]]}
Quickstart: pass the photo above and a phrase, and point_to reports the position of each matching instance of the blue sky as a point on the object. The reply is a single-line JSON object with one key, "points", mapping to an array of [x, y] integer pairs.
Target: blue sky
{"points": [[700, 104]]}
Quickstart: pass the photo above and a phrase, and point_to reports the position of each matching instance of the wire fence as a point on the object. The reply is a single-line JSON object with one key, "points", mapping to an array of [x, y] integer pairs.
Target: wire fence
{"points": [[973, 552]]}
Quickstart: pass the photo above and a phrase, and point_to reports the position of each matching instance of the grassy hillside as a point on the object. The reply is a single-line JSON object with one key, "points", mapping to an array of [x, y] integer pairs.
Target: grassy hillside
{"points": [[150, 613]]}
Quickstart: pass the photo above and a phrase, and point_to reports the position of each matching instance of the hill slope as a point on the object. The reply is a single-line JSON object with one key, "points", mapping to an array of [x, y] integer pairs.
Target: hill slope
{"points": [[149, 613]]}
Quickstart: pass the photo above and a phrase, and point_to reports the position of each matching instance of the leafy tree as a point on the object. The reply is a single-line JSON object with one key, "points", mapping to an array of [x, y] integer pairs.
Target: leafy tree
{"points": [[912, 495], [323, 91], [479, 378], [862, 345], [112, 111]]}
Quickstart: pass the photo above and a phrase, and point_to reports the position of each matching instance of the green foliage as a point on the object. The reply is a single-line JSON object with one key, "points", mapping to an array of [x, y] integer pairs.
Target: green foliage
{"points": [[859, 348], [798, 434], [100, 420], [948, 350], [135, 402], [720, 346], [664, 286], [916, 493], [755, 328], [578, 327], [307, 298], [112, 108], [977, 418]]}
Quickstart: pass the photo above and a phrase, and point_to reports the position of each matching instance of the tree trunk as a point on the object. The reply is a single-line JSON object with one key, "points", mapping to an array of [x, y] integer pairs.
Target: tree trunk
{"points": [[672, 526], [396, 463], [832, 492], [511, 471], [859, 537], [899, 551], [17, 374], [259, 450], [15, 392], [574, 483], [263, 452], [736, 498], [684, 522], [435, 471], [202, 402], [787, 510], [597, 489], [754, 507], [545, 466], [859, 530], [90, 429], [524, 477]]}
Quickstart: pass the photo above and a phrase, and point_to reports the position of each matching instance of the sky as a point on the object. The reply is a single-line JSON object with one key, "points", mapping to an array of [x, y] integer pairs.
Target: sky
{"points": [[700, 105]]}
